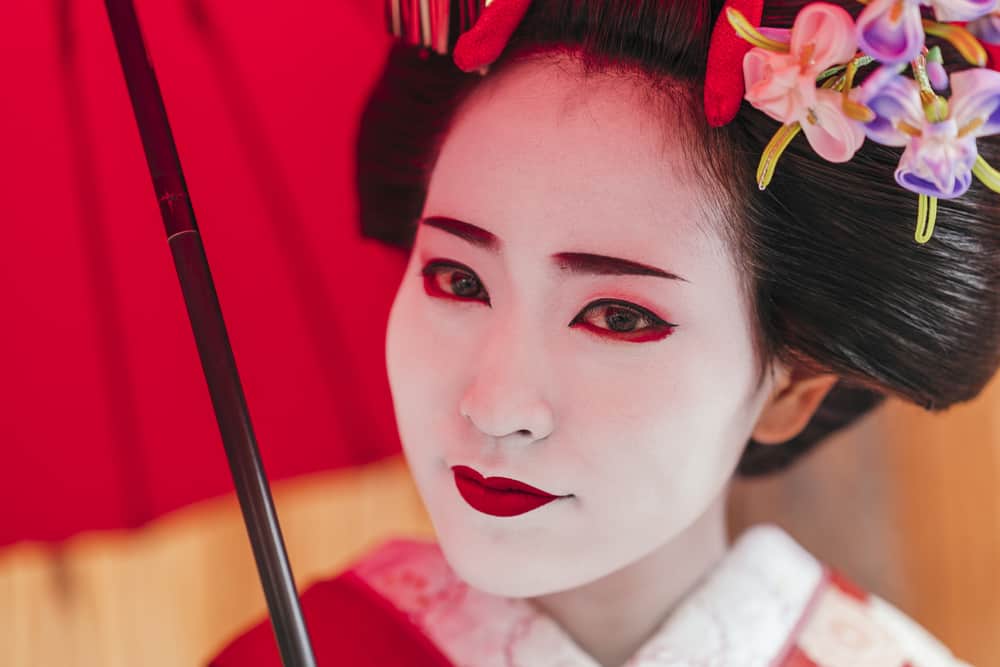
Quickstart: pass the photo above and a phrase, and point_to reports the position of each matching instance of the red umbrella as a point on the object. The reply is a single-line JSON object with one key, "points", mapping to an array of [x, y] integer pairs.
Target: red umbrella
{"points": [[111, 425]]}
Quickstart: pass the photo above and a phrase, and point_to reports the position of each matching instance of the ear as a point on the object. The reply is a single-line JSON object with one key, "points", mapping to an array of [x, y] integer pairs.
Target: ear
{"points": [[796, 396]]}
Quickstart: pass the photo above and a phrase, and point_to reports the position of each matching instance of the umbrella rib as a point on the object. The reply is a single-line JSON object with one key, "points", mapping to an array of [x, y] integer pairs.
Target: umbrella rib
{"points": [[211, 338]]}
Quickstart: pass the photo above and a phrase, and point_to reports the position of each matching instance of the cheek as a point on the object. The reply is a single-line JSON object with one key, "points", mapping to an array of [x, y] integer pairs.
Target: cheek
{"points": [[669, 428], [638, 437], [409, 356], [422, 370]]}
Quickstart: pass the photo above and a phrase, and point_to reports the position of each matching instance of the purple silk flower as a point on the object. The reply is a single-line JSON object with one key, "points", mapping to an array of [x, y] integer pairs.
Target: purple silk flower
{"points": [[986, 28], [892, 30], [939, 154]]}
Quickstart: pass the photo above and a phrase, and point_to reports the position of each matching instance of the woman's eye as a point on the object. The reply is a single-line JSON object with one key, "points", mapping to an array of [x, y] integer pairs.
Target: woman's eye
{"points": [[607, 317], [453, 281], [623, 322]]}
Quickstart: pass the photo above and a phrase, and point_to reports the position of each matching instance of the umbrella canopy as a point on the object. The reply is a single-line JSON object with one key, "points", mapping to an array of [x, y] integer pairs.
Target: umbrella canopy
{"points": [[103, 403], [104, 396]]}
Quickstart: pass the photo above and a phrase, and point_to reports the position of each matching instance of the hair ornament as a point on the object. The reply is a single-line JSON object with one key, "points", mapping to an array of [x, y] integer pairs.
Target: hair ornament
{"points": [[475, 32], [723, 69], [804, 77], [484, 42], [892, 31], [986, 29]]}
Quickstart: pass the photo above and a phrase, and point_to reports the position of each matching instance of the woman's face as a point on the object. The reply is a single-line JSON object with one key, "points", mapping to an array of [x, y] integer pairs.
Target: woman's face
{"points": [[514, 350]]}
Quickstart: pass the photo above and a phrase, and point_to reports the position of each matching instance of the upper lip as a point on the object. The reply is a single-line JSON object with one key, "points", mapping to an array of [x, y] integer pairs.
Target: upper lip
{"points": [[500, 483]]}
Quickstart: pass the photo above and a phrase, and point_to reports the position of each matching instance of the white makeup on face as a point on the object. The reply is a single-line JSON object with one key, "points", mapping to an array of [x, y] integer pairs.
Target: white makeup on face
{"points": [[500, 361]]}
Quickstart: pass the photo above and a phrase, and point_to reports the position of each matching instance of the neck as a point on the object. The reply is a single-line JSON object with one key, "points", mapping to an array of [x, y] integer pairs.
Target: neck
{"points": [[612, 617]]}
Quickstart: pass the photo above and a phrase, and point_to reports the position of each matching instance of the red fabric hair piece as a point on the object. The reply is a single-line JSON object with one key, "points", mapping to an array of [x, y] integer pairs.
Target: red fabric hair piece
{"points": [[992, 55], [724, 69], [992, 50], [483, 43]]}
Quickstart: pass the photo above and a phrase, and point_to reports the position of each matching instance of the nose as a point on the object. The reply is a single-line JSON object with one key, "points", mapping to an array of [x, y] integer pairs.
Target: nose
{"points": [[506, 396]]}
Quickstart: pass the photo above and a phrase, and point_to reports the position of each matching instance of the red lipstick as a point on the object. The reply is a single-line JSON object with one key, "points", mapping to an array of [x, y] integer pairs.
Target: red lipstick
{"points": [[498, 496]]}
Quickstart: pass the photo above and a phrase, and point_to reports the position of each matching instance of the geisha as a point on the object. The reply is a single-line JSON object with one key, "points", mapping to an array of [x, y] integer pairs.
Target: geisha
{"points": [[613, 305]]}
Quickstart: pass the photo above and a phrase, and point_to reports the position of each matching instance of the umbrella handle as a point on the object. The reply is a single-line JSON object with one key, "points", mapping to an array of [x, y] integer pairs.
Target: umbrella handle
{"points": [[211, 338]]}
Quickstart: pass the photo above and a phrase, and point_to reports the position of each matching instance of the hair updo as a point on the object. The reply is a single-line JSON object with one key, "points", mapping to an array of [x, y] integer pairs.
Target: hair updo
{"points": [[836, 280]]}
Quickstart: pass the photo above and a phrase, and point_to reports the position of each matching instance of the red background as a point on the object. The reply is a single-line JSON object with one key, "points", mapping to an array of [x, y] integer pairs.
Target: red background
{"points": [[104, 412]]}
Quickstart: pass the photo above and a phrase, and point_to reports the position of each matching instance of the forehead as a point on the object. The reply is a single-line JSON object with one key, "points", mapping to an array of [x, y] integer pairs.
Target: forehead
{"points": [[542, 155]]}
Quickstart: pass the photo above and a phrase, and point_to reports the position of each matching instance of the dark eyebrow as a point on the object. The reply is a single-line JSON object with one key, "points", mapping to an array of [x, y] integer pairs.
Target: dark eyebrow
{"points": [[574, 262], [477, 236], [582, 262]]}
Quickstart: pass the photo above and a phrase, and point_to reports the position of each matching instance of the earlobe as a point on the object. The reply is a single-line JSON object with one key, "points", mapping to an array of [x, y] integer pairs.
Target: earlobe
{"points": [[790, 407]]}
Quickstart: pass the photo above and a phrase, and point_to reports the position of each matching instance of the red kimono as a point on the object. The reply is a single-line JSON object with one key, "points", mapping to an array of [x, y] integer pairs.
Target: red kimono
{"points": [[349, 624]]}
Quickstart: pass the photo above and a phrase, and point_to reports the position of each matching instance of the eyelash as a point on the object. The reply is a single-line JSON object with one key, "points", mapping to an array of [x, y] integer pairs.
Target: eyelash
{"points": [[657, 330]]}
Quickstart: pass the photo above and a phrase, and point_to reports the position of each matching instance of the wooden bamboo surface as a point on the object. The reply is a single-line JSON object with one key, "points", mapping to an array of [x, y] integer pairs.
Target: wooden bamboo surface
{"points": [[176, 591]]}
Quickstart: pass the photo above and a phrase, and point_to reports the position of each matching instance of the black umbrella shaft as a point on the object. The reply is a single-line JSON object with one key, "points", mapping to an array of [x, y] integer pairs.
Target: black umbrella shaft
{"points": [[211, 337]]}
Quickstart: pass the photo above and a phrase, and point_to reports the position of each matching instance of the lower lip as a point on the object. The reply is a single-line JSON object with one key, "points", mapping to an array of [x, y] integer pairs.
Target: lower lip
{"points": [[499, 503]]}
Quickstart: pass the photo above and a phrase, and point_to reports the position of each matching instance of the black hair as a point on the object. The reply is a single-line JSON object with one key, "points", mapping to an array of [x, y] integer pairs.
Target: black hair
{"points": [[827, 250]]}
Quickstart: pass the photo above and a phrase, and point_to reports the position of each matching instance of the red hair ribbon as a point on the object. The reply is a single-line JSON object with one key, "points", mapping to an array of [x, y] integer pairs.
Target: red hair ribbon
{"points": [[992, 55], [724, 86], [483, 43]]}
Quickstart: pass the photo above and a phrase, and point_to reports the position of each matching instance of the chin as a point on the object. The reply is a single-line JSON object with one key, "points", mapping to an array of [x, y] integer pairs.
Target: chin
{"points": [[507, 570], [495, 574]]}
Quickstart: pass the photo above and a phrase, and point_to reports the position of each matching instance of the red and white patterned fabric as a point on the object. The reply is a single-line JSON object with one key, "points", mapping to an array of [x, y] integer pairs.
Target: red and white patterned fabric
{"points": [[768, 603]]}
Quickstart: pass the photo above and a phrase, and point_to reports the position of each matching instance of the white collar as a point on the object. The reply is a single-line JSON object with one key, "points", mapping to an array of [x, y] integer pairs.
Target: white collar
{"points": [[766, 601]]}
